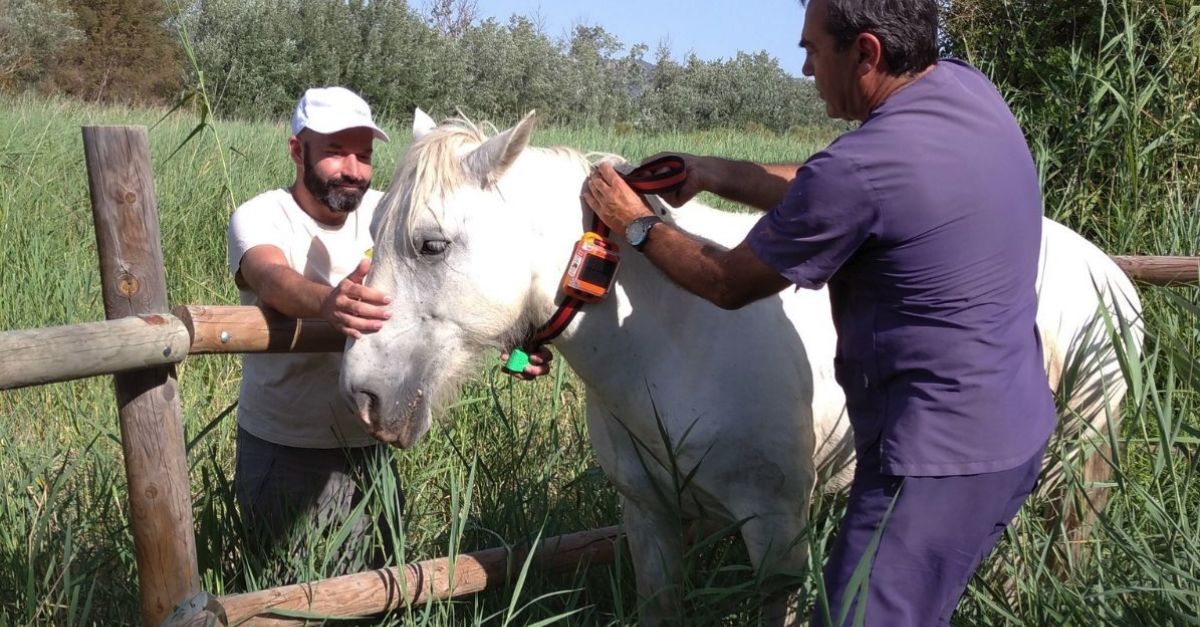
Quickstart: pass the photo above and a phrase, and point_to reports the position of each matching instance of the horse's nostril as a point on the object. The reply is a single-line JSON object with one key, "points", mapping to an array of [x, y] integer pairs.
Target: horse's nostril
{"points": [[365, 401]]}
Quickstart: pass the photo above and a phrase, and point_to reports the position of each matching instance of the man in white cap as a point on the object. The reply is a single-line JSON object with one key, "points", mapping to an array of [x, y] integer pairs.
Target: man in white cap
{"points": [[302, 453]]}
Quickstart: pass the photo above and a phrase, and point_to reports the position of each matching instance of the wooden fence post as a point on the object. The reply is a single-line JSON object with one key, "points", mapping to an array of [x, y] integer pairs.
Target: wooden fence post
{"points": [[134, 282]]}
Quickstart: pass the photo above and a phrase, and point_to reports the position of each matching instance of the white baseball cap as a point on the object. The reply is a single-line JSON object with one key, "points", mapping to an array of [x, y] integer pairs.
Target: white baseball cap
{"points": [[327, 110]]}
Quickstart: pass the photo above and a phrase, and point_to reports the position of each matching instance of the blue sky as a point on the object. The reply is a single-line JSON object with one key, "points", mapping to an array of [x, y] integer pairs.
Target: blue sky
{"points": [[710, 29]]}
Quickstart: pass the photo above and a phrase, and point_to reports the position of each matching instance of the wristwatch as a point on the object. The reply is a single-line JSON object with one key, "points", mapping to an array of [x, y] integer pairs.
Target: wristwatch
{"points": [[638, 231]]}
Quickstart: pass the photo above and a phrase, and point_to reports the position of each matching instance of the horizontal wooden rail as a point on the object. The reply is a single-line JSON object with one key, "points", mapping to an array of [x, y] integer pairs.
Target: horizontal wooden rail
{"points": [[1164, 271], [222, 329], [38, 356], [378, 591]]}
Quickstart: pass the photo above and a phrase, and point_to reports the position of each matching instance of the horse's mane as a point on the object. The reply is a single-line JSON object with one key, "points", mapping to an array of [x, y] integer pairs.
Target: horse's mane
{"points": [[432, 169]]}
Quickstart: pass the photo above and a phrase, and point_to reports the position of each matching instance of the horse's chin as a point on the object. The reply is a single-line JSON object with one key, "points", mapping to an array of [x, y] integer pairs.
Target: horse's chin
{"points": [[401, 429]]}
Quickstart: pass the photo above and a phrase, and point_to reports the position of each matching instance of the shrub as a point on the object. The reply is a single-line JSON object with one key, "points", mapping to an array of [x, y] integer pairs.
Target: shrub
{"points": [[1107, 91], [125, 53], [31, 33]]}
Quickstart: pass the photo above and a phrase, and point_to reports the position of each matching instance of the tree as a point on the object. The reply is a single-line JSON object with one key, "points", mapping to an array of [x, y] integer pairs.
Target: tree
{"points": [[31, 33], [453, 18], [125, 54], [259, 55]]}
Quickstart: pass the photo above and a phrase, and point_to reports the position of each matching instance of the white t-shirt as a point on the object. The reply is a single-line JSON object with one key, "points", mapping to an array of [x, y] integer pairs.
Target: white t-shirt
{"points": [[293, 399]]}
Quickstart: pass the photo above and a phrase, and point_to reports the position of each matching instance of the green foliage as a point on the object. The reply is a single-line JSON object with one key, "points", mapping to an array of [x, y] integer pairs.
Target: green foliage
{"points": [[1108, 93], [748, 89], [32, 32], [259, 55], [509, 68], [256, 57], [124, 55]]}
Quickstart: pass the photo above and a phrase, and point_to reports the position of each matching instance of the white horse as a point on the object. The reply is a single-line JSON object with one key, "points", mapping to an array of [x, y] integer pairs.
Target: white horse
{"points": [[472, 240]]}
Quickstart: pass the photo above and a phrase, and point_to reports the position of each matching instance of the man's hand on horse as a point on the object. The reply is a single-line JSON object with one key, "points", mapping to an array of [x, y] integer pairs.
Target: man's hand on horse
{"points": [[539, 364], [353, 308], [695, 182], [612, 199]]}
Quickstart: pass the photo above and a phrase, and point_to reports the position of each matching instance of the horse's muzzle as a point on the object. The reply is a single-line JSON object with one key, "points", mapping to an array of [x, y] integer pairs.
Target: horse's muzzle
{"points": [[402, 430]]}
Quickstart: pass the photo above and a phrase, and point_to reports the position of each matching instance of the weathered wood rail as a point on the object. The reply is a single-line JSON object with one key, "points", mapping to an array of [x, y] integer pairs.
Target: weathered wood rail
{"points": [[221, 329], [378, 591], [140, 343], [1161, 271], [39, 356], [76, 351]]}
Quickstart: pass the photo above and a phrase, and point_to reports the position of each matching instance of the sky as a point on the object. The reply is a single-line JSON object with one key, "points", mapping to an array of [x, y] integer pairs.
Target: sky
{"points": [[712, 29]]}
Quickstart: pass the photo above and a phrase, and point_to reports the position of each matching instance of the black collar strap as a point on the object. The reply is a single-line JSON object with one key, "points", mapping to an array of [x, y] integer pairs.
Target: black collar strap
{"points": [[661, 176]]}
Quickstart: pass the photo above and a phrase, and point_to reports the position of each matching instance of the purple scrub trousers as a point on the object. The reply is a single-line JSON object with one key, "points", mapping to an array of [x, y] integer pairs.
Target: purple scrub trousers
{"points": [[936, 535]]}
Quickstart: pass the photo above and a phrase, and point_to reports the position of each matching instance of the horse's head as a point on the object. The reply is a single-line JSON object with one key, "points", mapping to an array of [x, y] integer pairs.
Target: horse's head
{"points": [[455, 241]]}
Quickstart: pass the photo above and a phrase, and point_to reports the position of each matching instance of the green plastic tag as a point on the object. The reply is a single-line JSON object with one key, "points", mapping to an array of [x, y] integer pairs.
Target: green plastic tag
{"points": [[517, 360]]}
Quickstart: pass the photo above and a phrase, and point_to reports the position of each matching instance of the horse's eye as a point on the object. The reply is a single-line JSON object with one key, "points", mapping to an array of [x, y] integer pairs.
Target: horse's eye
{"points": [[434, 247]]}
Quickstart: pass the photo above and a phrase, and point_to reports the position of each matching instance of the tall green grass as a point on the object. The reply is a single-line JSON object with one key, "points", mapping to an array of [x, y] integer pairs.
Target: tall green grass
{"points": [[511, 461]]}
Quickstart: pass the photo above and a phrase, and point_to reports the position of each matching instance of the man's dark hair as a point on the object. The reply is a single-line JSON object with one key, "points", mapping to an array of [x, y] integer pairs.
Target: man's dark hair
{"points": [[908, 29]]}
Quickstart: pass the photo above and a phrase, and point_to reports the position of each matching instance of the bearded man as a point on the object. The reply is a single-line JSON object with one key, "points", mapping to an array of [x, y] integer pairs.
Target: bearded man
{"points": [[303, 456]]}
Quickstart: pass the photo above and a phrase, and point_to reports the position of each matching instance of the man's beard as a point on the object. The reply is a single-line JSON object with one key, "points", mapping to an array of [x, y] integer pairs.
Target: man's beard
{"points": [[331, 193]]}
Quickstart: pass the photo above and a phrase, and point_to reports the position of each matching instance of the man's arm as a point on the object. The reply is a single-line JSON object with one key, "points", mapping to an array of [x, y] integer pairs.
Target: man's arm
{"points": [[729, 279], [350, 307], [757, 185]]}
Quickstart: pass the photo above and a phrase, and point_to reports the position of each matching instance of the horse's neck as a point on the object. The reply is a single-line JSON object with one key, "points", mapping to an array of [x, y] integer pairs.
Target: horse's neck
{"points": [[644, 308], [643, 311]]}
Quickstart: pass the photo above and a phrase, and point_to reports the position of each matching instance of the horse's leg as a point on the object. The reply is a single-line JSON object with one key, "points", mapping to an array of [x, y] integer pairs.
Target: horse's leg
{"points": [[1084, 512], [655, 537], [656, 545], [1082, 506], [775, 547], [774, 519], [1093, 388]]}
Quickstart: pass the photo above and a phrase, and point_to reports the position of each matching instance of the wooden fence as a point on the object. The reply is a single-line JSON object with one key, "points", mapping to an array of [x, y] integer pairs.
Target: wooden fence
{"points": [[140, 343]]}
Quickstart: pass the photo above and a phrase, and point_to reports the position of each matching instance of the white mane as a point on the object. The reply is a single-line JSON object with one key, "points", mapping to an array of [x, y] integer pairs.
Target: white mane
{"points": [[432, 169]]}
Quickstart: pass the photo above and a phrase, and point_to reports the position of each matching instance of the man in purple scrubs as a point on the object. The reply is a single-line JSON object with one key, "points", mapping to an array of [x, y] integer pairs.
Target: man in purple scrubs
{"points": [[925, 223]]}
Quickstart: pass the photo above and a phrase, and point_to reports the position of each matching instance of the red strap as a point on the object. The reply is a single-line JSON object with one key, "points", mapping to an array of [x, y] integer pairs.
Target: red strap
{"points": [[599, 227], [661, 176], [556, 325]]}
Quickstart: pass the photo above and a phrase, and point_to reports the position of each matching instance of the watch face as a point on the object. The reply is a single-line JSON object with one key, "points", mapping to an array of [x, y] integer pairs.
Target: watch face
{"points": [[636, 232]]}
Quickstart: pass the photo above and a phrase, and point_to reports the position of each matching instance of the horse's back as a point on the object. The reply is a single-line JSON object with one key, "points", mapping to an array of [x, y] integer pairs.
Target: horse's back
{"points": [[1082, 294]]}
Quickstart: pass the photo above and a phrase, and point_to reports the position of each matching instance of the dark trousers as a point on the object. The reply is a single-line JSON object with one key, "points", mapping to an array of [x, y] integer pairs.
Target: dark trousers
{"points": [[936, 534], [283, 491]]}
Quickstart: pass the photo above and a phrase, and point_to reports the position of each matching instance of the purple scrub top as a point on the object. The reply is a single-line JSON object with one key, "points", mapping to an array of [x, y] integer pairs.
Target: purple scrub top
{"points": [[925, 222]]}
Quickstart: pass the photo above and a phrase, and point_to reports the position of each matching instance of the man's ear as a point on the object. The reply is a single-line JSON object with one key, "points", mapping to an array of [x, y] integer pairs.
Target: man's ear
{"points": [[296, 150], [870, 53]]}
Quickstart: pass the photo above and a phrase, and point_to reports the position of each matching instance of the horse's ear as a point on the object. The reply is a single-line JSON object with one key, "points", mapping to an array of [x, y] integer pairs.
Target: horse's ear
{"points": [[422, 124], [491, 160]]}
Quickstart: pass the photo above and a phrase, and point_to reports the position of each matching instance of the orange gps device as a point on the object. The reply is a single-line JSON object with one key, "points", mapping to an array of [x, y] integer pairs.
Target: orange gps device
{"points": [[593, 267]]}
